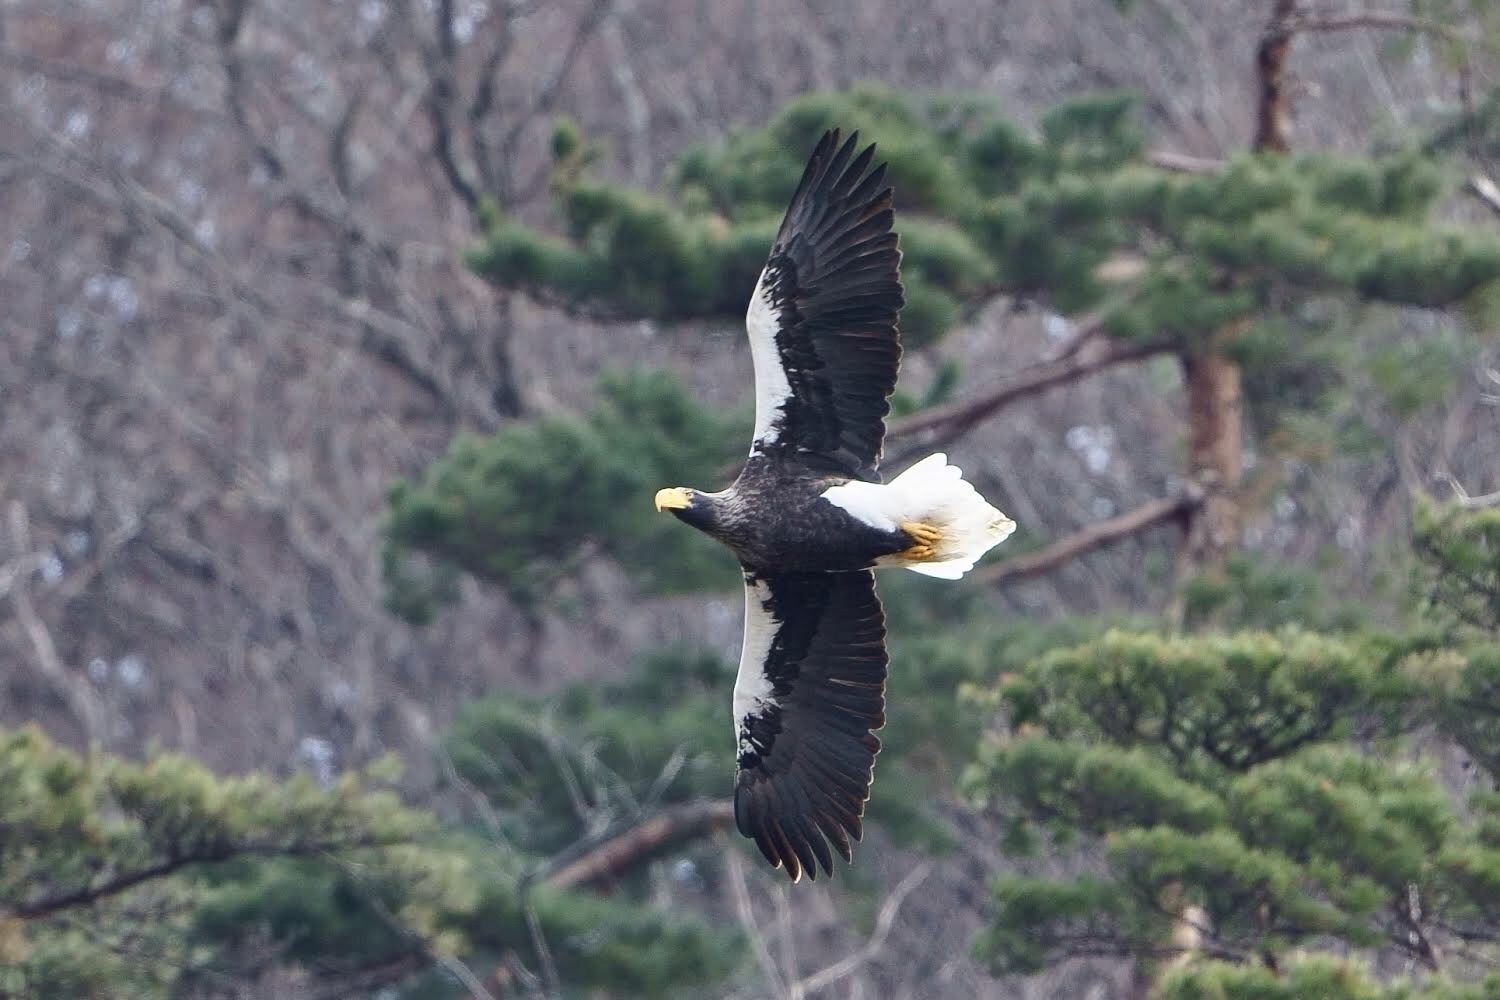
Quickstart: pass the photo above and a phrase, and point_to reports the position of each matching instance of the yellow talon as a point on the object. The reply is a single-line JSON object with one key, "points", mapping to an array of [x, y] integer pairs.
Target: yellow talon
{"points": [[926, 538], [924, 533]]}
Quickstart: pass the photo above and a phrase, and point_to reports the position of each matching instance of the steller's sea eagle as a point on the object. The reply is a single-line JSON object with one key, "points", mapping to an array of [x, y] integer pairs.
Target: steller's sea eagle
{"points": [[809, 518]]}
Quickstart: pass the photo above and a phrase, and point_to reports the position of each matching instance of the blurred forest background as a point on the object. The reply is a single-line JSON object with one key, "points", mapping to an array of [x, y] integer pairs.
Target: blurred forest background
{"points": [[345, 343]]}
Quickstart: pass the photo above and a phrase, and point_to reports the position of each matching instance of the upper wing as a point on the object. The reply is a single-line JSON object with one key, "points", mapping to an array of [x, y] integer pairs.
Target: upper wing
{"points": [[810, 692], [822, 321]]}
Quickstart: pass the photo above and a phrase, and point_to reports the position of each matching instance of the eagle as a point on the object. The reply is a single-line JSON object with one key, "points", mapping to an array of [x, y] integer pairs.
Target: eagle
{"points": [[809, 518]]}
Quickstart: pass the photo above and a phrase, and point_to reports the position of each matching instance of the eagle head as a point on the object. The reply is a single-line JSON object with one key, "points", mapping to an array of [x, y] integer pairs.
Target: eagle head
{"points": [[689, 506]]}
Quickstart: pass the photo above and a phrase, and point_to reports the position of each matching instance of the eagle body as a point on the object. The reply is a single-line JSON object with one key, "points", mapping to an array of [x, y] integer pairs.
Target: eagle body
{"points": [[810, 519], [776, 519]]}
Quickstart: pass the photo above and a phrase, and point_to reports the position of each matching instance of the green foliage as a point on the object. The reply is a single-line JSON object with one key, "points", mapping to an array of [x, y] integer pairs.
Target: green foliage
{"points": [[614, 946], [87, 827], [1471, 711], [1218, 772], [1259, 784], [1417, 374], [526, 506], [547, 765], [1460, 575], [106, 863], [1071, 214], [1252, 594], [1054, 914], [1046, 211], [1460, 550], [553, 765], [1212, 704], [160, 879], [1306, 976], [1260, 777], [633, 254], [1288, 260]]}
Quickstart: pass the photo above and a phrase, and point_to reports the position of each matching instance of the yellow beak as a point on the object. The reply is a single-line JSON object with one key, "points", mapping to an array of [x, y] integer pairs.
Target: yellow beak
{"points": [[675, 498]]}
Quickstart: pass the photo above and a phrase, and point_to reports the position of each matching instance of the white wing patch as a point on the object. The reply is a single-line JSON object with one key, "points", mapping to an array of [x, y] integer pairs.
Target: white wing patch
{"points": [[876, 505], [752, 688], [772, 389]]}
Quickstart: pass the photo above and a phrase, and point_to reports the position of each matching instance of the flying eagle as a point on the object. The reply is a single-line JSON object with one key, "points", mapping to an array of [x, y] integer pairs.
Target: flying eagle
{"points": [[809, 518]]}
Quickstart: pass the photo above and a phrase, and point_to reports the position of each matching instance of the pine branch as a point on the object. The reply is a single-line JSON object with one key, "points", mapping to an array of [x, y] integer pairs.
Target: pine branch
{"points": [[88, 895], [1384, 21], [621, 849], [941, 425], [1094, 536]]}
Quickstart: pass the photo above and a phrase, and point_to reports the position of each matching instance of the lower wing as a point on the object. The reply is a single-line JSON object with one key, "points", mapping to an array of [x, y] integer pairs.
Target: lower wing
{"points": [[809, 696]]}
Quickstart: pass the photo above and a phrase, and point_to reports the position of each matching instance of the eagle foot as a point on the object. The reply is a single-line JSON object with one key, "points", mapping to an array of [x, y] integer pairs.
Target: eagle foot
{"points": [[926, 537]]}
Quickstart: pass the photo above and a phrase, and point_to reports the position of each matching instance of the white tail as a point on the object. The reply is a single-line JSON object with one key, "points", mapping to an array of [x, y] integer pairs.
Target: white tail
{"points": [[934, 496]]}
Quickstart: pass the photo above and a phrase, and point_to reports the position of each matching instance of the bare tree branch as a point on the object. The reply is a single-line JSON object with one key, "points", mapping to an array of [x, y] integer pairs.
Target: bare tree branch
{"points": [[883, 923], [1465, 499], [621, 849], [441, 101], [548, 92], [1182, 163], [87, 895], [942, 425], [1385, 21], [1486, 190], [550, 980], [1094, 536], [746, 912], [637, 110], [72, 686]]}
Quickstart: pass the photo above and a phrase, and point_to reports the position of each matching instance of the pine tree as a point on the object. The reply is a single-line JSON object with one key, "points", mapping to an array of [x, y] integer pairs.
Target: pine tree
{"points": [[1270, 264], [1241, 779], [162, 879]]}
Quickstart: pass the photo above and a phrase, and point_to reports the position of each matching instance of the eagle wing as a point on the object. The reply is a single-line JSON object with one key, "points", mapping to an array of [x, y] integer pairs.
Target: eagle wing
{"points": [[809, 695], [822, 321]]}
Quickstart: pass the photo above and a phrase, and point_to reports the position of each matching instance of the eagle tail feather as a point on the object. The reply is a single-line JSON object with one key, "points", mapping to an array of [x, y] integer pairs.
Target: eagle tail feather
{"points": [[934, 497]]}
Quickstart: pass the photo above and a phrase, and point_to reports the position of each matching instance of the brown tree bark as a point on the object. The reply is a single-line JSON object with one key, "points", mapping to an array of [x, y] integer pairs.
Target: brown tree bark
{"points": [[1215, 425], [622, 850], [1210, 377], [1273, 110]]}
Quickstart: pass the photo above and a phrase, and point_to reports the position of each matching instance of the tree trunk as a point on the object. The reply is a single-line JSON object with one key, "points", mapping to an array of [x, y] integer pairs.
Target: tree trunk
{"points": [[1211, 378], [1273, 113], [1212, 381]]}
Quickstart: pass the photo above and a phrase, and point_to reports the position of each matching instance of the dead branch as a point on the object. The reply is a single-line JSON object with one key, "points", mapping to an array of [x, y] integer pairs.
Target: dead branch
{"points": [[746, 912], [72, 686], [546, 96], [1486, 191], [1182, 163], [1466, 500], [883, 924], [370, 981], [941, 425], [1094, 536], [1387, 21], [620, 849], [441, 99], [550, 979], [637, 109]]}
